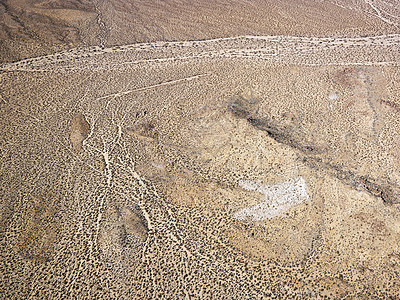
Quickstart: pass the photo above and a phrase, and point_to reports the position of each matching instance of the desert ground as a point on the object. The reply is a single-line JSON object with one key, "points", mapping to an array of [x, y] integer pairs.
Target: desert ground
{"points": [[200, 149]]}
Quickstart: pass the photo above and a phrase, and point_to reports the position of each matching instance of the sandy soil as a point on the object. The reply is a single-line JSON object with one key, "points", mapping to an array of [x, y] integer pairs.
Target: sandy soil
{"points": [[30, 28], [231, 162]]}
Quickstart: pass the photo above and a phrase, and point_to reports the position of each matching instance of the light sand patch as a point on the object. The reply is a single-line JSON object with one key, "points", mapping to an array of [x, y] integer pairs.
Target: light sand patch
{"points": [[278, 198], [333, 96]]}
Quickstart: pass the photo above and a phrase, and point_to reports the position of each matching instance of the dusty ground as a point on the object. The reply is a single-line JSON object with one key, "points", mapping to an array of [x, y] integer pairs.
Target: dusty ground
{"points": [[30, 28], [262, 163]]}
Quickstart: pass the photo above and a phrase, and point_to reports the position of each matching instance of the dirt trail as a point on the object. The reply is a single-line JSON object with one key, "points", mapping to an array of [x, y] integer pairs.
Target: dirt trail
{"points": [[371, 50], [386, 11]]}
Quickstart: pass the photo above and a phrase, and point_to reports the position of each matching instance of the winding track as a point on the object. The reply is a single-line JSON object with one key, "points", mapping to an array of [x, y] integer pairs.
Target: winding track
{"points": [[370, 50], [382, 9]]}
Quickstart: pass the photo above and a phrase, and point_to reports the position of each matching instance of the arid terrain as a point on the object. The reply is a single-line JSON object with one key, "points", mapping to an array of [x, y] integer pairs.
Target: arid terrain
{"points": [[208, 150]]}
